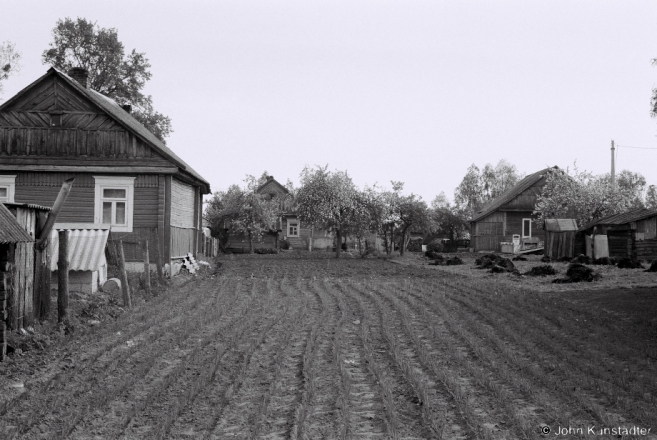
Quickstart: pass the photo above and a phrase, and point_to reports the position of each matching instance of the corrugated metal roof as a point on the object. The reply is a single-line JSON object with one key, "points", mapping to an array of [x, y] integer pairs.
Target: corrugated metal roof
{"points": [[622, 218], [28, 205], [86, 248], [560, 224], [510, 194], [10, 230]]}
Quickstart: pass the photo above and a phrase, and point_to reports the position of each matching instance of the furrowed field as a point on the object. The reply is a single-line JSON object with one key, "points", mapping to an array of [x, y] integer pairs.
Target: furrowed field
{"points": [[308, 347]]}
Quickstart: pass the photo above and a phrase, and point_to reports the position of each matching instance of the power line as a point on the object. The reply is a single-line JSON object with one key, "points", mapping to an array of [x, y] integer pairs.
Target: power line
{"points": [[638, 148]]}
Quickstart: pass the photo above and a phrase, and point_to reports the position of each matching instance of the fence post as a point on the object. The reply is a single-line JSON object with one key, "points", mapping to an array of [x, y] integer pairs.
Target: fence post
{"points": [[62, 285], [158, 257], [147, 269], [3, 316], [125, 287]]}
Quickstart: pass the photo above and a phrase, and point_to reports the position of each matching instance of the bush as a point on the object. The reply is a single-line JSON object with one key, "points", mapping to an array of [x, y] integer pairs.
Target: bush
{"points": [[653, 267], [266, 251], [433, 255], [604, 261], [541, 271], [627, 263], [436, 246], [581, 259], [285, 245], [453, 261]]}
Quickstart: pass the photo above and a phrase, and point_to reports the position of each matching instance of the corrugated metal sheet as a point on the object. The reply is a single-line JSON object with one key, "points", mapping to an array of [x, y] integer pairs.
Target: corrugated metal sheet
{"points": [[622, 218], [560, 224], [10, 230], [86, 248], [28, 205]]}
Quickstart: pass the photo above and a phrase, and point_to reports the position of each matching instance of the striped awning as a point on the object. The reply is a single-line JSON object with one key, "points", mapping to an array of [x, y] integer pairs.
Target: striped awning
{"points": [[86, 248]]}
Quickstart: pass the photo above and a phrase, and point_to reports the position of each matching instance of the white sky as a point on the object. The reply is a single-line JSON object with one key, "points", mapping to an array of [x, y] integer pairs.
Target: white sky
{"points": [[414, 91]]}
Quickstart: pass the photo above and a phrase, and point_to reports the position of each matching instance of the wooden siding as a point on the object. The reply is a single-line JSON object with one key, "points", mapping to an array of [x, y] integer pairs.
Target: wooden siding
{"points": [[526, 200], [621, 243], [145, 209], [514, 225], [20, 303], [78, 208], [489, 232], [560, 244], [182, 205], [648, 227], [86, 134], [182, 241], [646, 249]]}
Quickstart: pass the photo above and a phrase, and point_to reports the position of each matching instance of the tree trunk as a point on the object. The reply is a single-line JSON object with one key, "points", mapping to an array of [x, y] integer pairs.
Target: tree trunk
{"points": [[392, 238], [338, 243], [62, 285], [250, 242], [402, 244], [385, 240]]}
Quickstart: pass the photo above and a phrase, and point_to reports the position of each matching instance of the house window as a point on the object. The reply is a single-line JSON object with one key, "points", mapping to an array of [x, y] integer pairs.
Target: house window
{"points": [[292, 228], [114, 202], [526, 227], [7, 188]]}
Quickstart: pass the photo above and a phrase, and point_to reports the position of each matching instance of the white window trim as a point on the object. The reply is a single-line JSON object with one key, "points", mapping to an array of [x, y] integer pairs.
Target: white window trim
{"points": [[289, 234], [9, 182], [523, 227], [118, 182]]}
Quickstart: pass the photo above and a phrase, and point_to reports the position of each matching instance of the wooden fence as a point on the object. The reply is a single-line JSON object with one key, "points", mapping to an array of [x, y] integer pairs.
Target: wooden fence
{"points": [[209, 246]]}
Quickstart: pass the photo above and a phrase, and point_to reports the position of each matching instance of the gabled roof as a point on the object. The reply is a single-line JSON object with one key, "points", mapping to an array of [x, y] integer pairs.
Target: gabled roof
{"points": [[620, 219], [272, 181], [510, 194], [10, 230], [122, 117], [560, 224]]}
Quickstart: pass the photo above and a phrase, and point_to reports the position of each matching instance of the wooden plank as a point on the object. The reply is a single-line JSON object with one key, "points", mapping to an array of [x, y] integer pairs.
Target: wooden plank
{"points": [[62, 271], [167, 221], [33, 96]]}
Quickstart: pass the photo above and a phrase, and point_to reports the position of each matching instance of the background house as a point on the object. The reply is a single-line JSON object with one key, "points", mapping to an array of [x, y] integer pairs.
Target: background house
{"points": [[509, 214], [58, 128]]}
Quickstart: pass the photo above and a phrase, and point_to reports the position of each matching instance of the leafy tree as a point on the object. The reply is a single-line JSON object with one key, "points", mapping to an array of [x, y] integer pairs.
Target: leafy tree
{"points": [[413, 215], [479, 187], [447, 219], [330, 200], [242, 210], [112, 72], [9, 61], [585, 197], [651, 197]]}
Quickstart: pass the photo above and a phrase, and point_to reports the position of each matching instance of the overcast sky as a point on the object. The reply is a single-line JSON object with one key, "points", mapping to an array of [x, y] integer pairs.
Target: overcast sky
{"points": [[412, 91]]}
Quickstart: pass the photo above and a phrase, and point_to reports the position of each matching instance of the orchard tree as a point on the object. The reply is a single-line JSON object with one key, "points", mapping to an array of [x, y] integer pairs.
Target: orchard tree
{"points": [[242, 210], [445, 218], [585, 197], [413, 215], [651, 197], [9, 61], [330, 200], [112, 72]]}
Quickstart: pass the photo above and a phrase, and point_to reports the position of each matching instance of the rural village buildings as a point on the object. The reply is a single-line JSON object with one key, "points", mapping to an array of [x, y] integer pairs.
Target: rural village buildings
{"points": [[125, 178]]}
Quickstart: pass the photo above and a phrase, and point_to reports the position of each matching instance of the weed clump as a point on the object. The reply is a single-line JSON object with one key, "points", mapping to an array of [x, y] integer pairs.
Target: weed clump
{"points": [[628, 263], [541, 271], [563, 259], [453, 261], [581, 259], [495, 263], [577, 273]]}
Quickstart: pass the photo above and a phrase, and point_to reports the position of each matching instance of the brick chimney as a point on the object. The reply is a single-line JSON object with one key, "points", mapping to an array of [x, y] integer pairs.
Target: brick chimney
{"points": [[270, 178], [127, 108], [80, 74]]}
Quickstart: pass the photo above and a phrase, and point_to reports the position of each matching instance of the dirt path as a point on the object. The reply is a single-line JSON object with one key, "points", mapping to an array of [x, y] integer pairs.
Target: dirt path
{"points": [[314, 348]]}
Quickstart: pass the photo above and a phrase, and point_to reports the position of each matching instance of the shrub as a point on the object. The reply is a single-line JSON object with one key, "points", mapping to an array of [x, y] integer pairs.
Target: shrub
{"points": [[581, 259], [653, 267], [454, 261], [604, 261], [285, 245]]}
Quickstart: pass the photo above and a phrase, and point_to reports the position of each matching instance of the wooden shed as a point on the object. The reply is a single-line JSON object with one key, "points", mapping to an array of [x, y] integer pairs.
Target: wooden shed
{"points": [[560, 237], [57, 128], [631, 234], [512, 213]]}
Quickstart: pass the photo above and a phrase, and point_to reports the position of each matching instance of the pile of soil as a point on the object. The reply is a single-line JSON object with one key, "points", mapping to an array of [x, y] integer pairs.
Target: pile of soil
{"points": [[577, 273], [546, 259], [653, 267], [541, 271], [453, 261], [604, 261], [433, 255], [495, 263], [563, 259], [628, 263], [581, 259], [519, 258]]}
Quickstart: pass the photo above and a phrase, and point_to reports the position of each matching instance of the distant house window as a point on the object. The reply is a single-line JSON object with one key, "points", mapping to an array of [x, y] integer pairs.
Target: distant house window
{"points": [[292, 228], [114, 201], [7, 188], [526, 227]]}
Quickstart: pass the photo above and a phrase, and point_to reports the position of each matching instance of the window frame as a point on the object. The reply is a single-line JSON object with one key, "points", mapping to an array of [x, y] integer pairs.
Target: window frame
{"points": [[115, 182], [298, 226], [8, 182], [523, 228]]}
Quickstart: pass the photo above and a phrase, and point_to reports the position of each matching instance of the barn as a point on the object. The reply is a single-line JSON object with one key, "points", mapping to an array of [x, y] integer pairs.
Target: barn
{"points": [[57, 128], [510, 214], [631, 234]]}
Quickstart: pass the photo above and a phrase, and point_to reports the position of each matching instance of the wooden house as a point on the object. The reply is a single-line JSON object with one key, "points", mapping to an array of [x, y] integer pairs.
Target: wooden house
{"points": [[509, 214], [57, 128], [631, 234]]}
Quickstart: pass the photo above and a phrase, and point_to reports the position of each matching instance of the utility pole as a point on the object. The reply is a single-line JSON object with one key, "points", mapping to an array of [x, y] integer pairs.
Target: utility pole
{"points": [[613, 165]]}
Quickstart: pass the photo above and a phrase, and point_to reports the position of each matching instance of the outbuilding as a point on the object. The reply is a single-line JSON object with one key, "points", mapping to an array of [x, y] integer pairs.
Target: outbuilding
{"points": [[560, 237]]}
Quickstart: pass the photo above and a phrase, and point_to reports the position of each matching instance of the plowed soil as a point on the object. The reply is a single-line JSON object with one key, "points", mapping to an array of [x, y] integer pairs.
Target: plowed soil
{"points": [[307, 347]]}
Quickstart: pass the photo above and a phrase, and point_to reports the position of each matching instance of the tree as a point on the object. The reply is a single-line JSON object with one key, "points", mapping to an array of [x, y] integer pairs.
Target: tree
{"points": [[112, 72], [585, 197], [651, 197], [446, 218], [413, 215], [9, 61], [330, 200], [242, 210]]}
